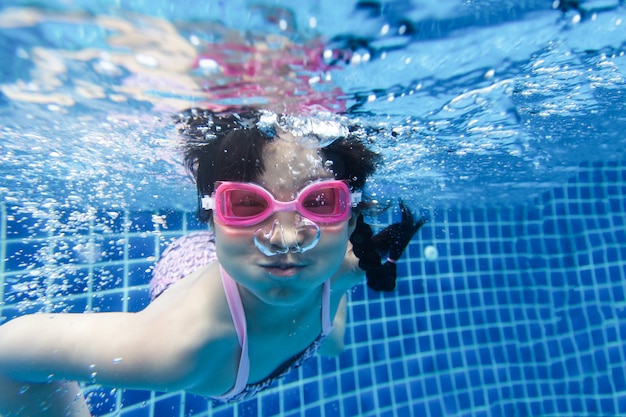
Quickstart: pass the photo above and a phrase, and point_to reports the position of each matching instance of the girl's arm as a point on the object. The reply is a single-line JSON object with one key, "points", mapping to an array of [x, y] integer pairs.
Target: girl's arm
{"points": [[348, 275], [159, 348], [110, 348]]}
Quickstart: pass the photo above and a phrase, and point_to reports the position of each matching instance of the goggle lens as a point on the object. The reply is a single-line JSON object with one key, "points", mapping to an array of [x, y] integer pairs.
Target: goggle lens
{"points": [[325, 201], [243, 204]]}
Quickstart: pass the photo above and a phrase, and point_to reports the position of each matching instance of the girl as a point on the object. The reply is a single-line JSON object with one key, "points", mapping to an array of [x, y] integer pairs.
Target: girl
{"points": [[261, 291]]}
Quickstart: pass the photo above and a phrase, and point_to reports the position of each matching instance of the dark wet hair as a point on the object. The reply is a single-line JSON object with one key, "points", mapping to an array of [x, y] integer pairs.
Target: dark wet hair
{"points": [[228, 146]]}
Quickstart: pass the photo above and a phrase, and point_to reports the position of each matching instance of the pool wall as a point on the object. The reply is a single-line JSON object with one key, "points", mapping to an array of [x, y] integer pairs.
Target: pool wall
{"points": [[514, 310]]}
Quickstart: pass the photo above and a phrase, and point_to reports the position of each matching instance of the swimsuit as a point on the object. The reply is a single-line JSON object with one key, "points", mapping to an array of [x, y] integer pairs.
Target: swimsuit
{"points": [[196, 250]]}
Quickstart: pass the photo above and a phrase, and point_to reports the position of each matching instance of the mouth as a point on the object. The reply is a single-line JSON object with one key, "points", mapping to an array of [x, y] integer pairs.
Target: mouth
{"points": [[283, 269]]}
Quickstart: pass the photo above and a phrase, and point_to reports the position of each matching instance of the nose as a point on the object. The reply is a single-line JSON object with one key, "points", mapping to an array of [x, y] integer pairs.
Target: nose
{"points": [[289, 232], [284, 236]]}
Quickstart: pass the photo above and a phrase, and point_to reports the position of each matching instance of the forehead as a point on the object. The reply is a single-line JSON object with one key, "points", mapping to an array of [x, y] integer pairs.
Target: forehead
{"points": [[289, 166]]}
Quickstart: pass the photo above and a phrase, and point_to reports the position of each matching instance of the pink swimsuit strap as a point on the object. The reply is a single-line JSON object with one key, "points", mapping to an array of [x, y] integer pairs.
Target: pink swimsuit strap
{"points": [[239, 319]]}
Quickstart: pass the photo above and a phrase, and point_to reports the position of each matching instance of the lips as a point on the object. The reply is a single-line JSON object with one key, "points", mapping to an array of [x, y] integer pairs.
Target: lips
{"points": [[283, 269], [283, 266]]}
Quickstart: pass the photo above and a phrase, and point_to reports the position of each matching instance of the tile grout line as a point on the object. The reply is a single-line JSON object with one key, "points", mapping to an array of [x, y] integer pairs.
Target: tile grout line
{"points": [[3, 251]]}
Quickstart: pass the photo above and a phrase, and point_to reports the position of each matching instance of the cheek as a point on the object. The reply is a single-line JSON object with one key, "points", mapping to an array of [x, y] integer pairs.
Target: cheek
{"points": [[230, 240], [335, 238]]}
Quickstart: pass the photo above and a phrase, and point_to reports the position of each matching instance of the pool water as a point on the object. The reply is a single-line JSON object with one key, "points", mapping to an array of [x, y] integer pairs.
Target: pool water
{"points": [[502, 122]]}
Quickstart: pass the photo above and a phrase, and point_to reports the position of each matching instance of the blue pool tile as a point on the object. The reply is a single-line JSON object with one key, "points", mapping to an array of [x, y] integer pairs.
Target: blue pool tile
{"points": [[105, 303], [21, 224], [621, 404], [112, 249], [328, 365], [139, 273], [138, 299], [419, 408], [141, 247], [310, 368], [108, 278], [139, 412], [573, 388], [358, 293], [358, 312], [348, 382], [248, 407], [364, 378], [350, 405], [291, 399], [400, 393], [431, 386], [435, 408], [618, 293], [311, 392], [270, 404], [195, 404], [292, 376], [141, 221], [313, 412], [381, 373], [410, 346], [385, 398], [168, 406], [610, 332], [367, 401], [101, 400], [223, 411], [22, 255], [395, 349], [592, 406], [376, 330], [615, 355], [131, 397], [612, 255], [398, 411], [607, 405], [74, 305]]}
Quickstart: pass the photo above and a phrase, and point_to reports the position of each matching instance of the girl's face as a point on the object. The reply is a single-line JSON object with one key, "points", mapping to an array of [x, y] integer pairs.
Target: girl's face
{"points": [[283, 279]]}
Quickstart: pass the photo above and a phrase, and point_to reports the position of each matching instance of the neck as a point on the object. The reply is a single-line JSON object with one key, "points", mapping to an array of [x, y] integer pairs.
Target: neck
{"points": [[262, 315]]}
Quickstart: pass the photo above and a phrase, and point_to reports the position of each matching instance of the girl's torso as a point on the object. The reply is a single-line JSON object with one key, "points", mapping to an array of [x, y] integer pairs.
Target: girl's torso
{"points": [[209, 337]]}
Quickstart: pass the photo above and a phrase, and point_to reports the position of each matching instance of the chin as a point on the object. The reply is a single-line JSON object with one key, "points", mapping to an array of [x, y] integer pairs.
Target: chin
{"points": [[284, 295]]}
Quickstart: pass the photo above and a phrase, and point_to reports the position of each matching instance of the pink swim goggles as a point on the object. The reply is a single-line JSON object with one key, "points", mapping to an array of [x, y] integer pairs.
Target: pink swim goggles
{"points": [[247, 204]]}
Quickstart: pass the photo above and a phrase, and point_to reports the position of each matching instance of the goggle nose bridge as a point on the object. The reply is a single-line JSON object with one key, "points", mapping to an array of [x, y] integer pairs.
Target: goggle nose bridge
{"points": [[262, 238]]}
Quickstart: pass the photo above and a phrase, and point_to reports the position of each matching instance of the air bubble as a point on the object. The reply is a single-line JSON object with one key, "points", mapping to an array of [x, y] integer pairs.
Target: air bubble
{"points": [[431, 253]]}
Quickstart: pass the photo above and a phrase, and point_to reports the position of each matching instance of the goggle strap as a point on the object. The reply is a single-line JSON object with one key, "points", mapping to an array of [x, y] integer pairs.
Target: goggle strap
{"points": [[208, 202]]}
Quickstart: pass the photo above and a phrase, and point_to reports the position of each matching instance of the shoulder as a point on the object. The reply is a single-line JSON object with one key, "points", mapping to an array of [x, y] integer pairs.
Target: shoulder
{"points": [[189, 326], [194, 310]]}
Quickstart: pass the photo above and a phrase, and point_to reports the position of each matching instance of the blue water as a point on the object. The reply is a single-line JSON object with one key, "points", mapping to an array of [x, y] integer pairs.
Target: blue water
{"points": [[502, 121]]}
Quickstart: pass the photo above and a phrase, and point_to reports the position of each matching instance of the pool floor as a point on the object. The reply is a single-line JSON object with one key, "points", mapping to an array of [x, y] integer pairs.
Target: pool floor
{"points": [[499, 311]]}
